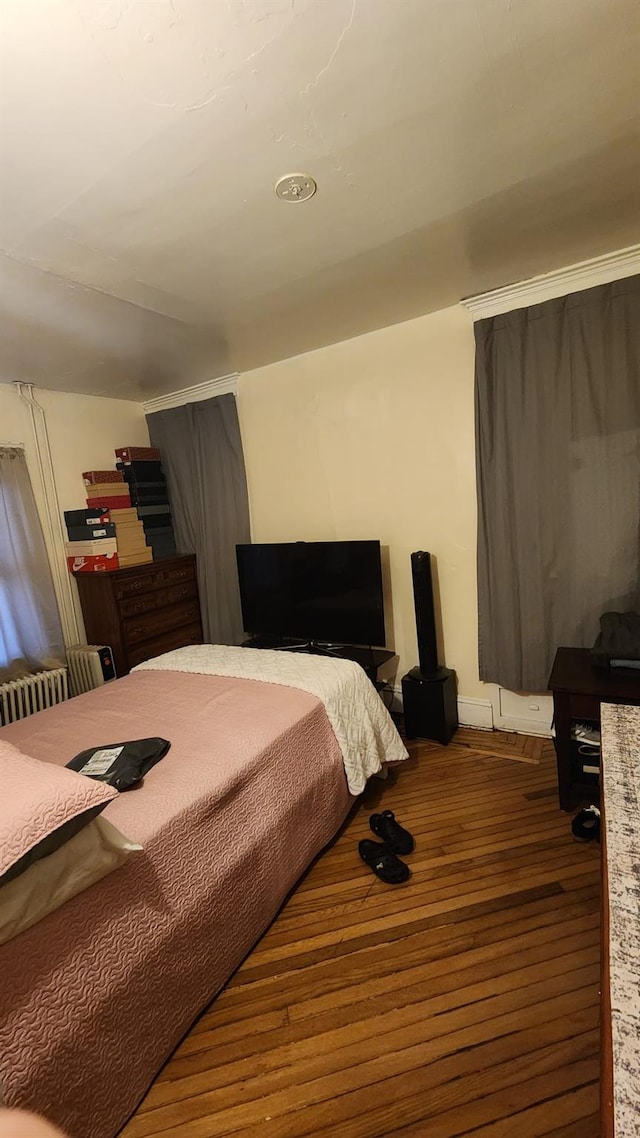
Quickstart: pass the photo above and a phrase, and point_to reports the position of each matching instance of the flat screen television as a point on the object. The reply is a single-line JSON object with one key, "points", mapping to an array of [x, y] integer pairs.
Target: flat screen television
{"points": [[328, 592]]}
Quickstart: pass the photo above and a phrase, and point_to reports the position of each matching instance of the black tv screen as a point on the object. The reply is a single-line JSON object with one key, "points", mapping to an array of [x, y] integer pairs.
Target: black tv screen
{"points": [[327, 591]]}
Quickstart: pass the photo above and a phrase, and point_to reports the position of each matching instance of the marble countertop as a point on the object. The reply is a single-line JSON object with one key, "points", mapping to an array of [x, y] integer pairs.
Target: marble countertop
{"points": [[620, 727]]}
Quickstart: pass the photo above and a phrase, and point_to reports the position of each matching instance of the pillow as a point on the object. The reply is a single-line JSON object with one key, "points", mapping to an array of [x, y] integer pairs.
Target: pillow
{"points": [[41, 807], [92, 853]]}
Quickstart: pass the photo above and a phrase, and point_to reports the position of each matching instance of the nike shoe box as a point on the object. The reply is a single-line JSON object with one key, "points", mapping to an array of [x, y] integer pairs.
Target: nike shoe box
{"points": [[91, 548], [91, 533], [93, 517], [94, 564]]}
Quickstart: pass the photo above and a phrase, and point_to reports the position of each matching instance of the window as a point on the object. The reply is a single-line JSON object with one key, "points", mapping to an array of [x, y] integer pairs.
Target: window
{"points": [[30, 631]]}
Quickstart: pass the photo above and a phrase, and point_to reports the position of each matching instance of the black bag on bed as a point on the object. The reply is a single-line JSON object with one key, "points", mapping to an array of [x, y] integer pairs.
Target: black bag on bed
{"points": [[120, 764]]}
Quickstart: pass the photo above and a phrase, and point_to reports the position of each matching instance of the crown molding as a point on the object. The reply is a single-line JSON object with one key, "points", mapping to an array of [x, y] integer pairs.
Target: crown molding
{"points": [[224, 385], [574, 278]]}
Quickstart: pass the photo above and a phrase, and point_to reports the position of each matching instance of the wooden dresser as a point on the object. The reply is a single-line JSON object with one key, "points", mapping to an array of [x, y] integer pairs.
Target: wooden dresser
{"points": [[142, 611]]}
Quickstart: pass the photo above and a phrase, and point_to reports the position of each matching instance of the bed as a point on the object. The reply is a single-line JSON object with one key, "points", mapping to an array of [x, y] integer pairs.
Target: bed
{"points": [[94, 998]]}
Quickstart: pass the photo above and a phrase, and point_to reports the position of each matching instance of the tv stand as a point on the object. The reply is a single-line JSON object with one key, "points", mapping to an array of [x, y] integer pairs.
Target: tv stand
{"points": [[369, 659], [316, 648]]}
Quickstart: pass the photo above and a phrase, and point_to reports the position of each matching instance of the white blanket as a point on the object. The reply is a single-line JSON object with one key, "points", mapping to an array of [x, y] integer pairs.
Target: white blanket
{"points": [[363, 727]]}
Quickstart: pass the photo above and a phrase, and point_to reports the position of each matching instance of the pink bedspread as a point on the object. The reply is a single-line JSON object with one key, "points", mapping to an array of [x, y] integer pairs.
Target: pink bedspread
{"points": [[95, 997]]}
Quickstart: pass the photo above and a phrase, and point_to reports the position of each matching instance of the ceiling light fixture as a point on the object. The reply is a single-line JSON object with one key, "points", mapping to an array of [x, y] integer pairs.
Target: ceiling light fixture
{"points": [[295, 187]]}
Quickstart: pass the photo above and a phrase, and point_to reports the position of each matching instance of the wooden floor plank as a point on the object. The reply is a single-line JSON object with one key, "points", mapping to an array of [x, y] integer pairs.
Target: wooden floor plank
{"points": [[551, 1106], [360, 1041], [463, 1003], [434, 953]]}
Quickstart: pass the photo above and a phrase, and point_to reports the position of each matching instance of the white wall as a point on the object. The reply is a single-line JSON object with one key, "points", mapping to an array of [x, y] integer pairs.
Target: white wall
{"points": [[369, 438], [83, 432], [374, 438]]}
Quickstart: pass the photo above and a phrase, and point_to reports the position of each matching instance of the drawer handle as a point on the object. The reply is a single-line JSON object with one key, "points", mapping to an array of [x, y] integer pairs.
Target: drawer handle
{"points": [[136, 631], [137, 607], [138, 585]]}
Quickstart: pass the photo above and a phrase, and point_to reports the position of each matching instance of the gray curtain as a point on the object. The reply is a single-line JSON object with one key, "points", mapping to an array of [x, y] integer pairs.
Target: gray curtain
{"points": [[558, 470], [204, 464], [30, 630]]}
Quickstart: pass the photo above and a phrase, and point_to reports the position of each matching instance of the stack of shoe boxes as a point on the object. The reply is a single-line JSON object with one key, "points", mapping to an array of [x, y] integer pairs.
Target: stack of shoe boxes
{"points": [[110, 489], [142, 472], [91, 547]]}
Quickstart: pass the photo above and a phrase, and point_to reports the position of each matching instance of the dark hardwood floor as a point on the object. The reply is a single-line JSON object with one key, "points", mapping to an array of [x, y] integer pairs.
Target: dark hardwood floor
{"points": [[462, 1003]]}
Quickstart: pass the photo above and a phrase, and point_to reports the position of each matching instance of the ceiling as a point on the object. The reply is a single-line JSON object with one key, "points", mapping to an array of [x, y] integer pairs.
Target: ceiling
{"points": [[458, 145]]}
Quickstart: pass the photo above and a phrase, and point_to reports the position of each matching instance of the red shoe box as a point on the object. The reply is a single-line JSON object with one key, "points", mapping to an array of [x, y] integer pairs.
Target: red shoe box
{"points": [[99, 563], [91, 476], [139, 454], [111, 502]]}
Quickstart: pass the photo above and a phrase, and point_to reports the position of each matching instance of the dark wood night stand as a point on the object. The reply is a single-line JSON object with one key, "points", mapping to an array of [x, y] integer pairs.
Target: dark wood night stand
{"points": [[578, 690]]}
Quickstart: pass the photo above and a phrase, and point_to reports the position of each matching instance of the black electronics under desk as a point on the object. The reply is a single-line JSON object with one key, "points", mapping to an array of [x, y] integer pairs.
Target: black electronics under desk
{"points": [[578, 690], [370, 659]]}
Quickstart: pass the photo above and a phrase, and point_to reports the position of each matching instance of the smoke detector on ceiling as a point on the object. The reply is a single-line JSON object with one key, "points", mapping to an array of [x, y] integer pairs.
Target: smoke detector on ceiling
{"points": [[295, 187]]}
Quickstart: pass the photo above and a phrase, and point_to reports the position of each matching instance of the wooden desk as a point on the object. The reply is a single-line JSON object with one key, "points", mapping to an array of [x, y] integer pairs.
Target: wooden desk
{"points": [[578, 690]]}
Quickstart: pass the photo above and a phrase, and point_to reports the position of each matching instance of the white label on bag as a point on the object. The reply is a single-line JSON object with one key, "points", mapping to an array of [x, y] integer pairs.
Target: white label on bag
{"points": [[102, 761]]}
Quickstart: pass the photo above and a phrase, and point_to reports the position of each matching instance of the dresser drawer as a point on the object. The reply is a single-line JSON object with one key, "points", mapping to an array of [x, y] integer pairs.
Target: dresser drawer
{"points": [[158, 599], [152, 624], [174, 574], [145, 602], [139, 583], [177, 638], [186, 591]]}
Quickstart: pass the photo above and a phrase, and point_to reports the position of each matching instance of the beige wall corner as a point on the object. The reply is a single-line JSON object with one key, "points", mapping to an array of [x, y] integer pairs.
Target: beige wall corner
{"points": [[374, 438], [84, 431]]}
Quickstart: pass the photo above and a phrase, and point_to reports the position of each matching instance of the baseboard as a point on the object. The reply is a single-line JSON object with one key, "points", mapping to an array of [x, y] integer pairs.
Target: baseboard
{"points": [[526, 714], [478, 714], [471, 712], [522, 726], [475, 713]]}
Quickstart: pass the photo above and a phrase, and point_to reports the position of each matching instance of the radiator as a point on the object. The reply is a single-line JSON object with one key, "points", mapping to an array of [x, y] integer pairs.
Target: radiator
{"points": [[90, 665], [19, 698]]}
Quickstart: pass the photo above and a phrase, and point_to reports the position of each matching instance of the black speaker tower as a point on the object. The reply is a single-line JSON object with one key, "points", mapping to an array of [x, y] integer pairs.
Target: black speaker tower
{"points": [[428, 692]]}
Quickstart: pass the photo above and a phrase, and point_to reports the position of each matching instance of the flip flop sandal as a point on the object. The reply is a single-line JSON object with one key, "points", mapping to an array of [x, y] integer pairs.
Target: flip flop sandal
{"points": [[586, 825], [383, 862], [399, 840]]}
